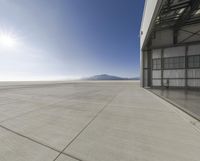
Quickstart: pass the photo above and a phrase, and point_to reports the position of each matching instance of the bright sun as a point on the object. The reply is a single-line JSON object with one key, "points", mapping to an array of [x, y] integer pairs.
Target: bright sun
{"points": [[7, 40]]}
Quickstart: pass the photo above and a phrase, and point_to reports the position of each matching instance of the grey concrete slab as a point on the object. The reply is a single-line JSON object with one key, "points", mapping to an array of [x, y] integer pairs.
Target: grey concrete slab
{"points": [[93, 121], [34, 98], [187, 99], [12, 110], [65, 158], [128, 133], [55, 94], [55, 126], [125, 98], [17, 148], [6, 100], [41, 94], [94, 95]]}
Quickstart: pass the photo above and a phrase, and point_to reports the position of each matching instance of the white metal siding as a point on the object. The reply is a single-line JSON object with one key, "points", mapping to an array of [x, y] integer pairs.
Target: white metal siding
{"points": [[156, 74], [193, 73], [156, 53], [194, 50], [193, 82], [156, 82], [174, 51], [163, 38], [177, 82], [179, 73]]}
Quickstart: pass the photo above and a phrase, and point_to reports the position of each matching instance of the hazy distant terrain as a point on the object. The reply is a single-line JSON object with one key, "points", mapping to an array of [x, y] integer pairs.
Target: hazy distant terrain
{"points": [[108, 77]]}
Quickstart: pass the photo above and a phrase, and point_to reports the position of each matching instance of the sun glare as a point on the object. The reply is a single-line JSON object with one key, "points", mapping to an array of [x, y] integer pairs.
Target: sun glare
{"points": [[7, 40]]}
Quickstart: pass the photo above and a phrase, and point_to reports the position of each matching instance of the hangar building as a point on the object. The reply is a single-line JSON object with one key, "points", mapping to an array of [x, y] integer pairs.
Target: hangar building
{"points": [[170, 44]]}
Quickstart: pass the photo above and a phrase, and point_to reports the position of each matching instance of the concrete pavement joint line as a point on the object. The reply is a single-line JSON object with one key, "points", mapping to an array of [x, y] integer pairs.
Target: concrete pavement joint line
{"points": [[47, 146], [180, 109], [37, 142], [26, 137], [100, 111], [71, 156]]}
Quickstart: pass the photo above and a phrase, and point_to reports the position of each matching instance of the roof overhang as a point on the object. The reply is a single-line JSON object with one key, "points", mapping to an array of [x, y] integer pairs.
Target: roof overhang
{"points": [[168, 14], [150, 12]]}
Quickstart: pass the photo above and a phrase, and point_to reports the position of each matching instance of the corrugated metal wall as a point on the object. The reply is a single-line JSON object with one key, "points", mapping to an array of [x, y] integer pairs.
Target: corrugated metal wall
{"points": [[179, 77], [193, 74]]}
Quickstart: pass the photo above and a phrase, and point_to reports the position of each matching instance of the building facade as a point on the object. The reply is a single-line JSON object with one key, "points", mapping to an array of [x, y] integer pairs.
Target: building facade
{"points": [[170, 44]]}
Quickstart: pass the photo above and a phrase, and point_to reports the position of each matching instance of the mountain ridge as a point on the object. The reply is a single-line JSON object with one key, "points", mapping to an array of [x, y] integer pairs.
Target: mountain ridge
{"points": [[108, 77]]}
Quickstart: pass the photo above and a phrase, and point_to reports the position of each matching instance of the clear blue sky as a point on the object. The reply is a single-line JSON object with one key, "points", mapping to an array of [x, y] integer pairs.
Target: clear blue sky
{"points": [[52, 39]]}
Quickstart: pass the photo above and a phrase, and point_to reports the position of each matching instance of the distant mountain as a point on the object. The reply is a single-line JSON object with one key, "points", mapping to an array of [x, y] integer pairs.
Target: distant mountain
{"points": [[108, 77]]}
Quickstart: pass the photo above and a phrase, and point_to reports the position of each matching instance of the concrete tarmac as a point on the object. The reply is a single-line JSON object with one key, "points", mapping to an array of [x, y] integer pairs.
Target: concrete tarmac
{"points": [[187, 99], [92, 121]]}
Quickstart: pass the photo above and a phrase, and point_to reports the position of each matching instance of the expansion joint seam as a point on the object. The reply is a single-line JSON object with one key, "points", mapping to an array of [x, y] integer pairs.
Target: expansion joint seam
{"points": [[86, 126], [37, 142]]}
